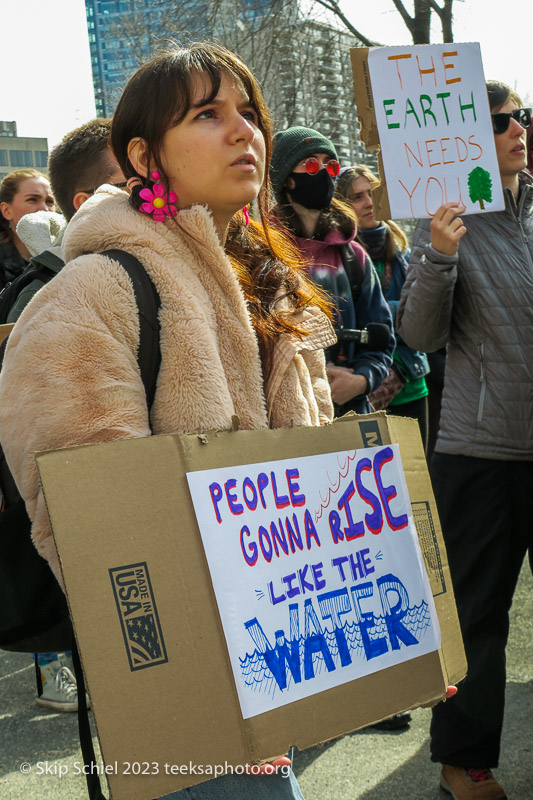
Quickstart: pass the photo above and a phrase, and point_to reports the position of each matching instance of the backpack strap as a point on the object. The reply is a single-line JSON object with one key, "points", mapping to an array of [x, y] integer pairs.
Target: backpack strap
{"points": [[149, 360], [148, 303], [354, 268], [94, 786], [47, 259]]}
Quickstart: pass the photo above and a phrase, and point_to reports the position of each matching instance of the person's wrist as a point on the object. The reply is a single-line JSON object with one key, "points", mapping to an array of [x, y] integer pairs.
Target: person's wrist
{"points": [[360, 381], [437, 257]]}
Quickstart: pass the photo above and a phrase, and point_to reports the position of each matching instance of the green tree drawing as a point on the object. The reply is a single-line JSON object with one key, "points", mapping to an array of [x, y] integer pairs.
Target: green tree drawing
{"points": [[480, 186]]}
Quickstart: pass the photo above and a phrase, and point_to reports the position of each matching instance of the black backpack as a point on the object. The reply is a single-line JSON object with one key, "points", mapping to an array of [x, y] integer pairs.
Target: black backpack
{"points": [[33, 610], [41, 268]]}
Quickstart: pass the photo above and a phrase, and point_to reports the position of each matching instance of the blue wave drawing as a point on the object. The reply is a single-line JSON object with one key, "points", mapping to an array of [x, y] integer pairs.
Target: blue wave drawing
{"points": [[259, 678]]}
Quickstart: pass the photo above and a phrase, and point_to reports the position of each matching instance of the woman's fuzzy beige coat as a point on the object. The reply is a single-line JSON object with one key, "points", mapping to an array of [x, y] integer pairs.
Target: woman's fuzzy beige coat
{"points": [[70, 374]]}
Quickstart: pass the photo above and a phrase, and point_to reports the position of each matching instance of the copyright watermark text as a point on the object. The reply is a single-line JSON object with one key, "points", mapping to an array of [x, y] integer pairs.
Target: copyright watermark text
{"points": [[150, 768]]}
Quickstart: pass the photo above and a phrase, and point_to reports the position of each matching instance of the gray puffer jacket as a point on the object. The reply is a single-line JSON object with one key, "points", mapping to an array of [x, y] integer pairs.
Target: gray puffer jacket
{"points": [[479, 303]]}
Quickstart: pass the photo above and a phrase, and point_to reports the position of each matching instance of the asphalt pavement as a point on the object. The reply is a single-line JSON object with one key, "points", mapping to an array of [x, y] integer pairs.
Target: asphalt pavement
{"points": [[40, 757]]}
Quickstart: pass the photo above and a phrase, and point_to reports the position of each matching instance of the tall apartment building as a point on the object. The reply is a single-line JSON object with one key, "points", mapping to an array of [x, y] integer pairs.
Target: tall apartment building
{"points": [[315, 87], [125, 33], [303, 65], [114, 53], [17, 152]]}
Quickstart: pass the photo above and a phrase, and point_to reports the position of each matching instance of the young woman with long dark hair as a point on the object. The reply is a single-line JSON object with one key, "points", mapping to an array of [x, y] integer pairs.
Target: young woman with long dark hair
{"points": [[242, 329], [21, 192]]}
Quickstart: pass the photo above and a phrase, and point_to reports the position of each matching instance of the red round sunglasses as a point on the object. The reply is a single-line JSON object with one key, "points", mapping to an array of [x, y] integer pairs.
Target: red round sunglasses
{"points": [[312, 166]]}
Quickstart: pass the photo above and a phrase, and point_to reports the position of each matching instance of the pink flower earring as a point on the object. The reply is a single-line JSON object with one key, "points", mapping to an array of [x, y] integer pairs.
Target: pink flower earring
{"points": [[158, 202], [246, 212]]}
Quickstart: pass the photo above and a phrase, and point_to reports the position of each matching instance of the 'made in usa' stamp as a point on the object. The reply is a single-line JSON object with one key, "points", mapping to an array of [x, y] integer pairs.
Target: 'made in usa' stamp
{"points": [[138, 615]]}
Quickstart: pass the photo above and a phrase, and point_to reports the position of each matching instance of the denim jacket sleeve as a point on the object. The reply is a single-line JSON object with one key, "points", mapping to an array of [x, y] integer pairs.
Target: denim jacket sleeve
{"points": [[371, 306]]}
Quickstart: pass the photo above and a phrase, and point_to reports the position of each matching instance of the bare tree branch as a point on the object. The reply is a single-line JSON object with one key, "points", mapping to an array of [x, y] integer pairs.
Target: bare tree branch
{"points": [[404, 14], [333, 6], [418, 24], [446, 18]]}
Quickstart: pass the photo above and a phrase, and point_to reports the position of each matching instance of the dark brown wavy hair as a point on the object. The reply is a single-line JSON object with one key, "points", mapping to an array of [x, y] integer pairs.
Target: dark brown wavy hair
{"points": [[499, 93], [157, 98]]}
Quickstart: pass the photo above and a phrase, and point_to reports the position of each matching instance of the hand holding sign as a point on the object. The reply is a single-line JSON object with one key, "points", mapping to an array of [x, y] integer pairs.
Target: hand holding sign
{"points": [[447, 228]]}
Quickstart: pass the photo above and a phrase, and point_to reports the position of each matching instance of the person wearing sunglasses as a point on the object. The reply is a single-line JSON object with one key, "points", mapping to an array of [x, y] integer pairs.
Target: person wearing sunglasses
{"points": [[470, 287], [502, 120], [303, 170]]}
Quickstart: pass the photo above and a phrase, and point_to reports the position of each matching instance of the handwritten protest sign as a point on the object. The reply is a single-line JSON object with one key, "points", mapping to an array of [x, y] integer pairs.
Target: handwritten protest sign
{"points": [[433, 121], [317, 571]]}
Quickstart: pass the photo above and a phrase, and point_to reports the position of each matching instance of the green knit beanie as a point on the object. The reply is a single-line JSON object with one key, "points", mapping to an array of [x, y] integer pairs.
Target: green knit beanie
{"points": [[290, 147]]}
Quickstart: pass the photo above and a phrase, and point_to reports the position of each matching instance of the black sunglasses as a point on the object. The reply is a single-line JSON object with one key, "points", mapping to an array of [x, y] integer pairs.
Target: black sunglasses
{"points": [[121, 185], [500, 122]]}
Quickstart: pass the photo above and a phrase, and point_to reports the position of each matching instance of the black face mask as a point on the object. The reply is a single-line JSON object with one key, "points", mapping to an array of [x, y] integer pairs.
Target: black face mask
{"points": [[312, 191]]}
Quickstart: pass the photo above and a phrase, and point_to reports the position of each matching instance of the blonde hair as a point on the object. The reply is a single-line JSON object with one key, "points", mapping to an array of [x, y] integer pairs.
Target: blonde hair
{"points": [[396, 238]]}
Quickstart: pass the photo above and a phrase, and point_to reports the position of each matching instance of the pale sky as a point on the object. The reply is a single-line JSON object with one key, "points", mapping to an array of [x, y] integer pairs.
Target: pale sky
{"points": [[47, 85]]}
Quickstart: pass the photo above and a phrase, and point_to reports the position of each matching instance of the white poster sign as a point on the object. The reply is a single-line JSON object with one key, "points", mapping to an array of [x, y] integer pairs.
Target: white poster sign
{"points": [[435, 130], [317, 571]]}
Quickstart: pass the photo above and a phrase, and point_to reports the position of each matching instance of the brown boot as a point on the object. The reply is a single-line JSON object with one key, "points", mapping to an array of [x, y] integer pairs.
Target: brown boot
{"points": [[470, 784]]}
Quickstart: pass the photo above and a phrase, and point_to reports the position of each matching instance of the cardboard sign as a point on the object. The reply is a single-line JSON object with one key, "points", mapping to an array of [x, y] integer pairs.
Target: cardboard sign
{"points": [[5, 330], [426, 107], [317, 571], [139, 588]]}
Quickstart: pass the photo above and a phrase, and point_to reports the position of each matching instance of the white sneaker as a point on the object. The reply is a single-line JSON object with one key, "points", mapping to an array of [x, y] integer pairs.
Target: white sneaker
{"points": [[59, 687], [67, 661]]}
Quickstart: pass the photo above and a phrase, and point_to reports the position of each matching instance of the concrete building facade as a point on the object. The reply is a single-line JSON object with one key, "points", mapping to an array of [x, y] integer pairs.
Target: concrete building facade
{"points": [[19, 152]]}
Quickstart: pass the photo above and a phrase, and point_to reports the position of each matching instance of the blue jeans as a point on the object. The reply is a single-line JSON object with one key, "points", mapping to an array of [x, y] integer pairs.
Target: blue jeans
{"points": [[242, 787]]}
